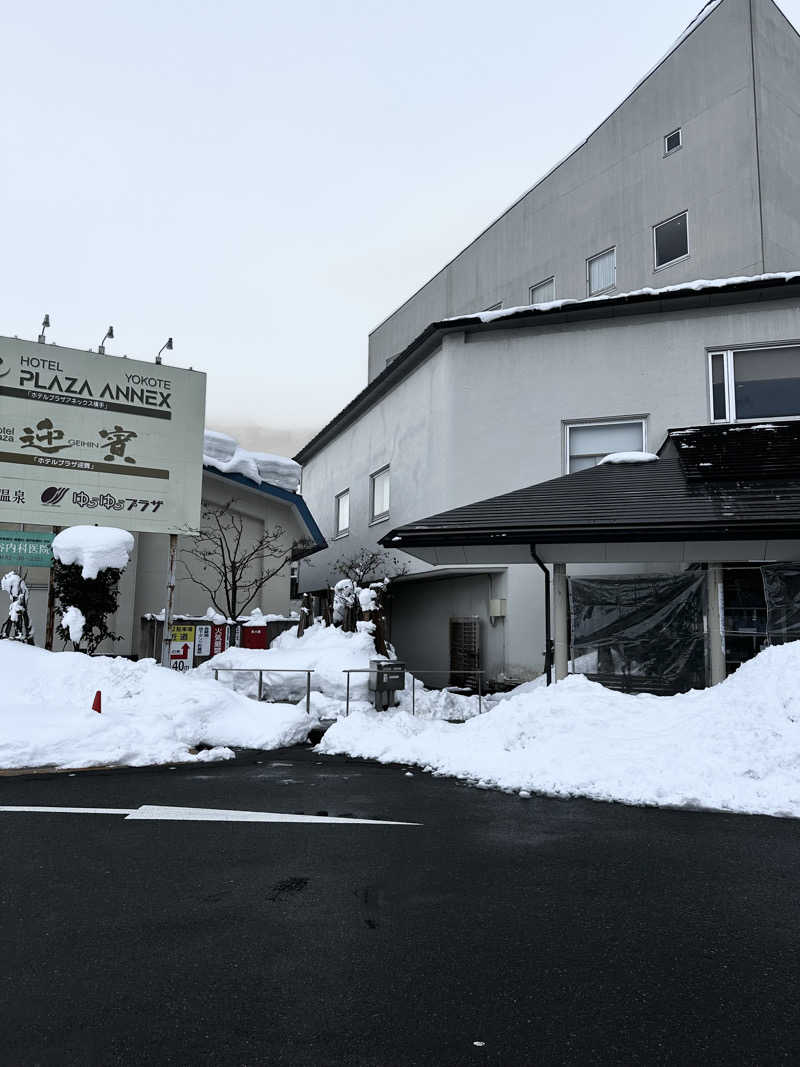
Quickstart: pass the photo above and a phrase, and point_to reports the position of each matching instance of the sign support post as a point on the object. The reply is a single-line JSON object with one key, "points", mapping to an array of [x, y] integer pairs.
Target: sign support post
{"points": [[167, 635], [50, 624]]}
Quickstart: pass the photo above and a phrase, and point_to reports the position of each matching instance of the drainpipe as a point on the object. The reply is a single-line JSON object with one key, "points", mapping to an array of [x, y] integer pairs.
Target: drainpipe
{"points": [[548, 640]]}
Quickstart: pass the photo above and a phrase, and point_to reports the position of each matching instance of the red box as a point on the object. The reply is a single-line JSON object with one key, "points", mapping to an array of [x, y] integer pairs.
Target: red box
{"points": [[254, 637]]}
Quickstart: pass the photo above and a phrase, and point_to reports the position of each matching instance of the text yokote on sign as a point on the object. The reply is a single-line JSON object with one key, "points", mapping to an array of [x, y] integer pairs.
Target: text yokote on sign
{"points": [[90, 440]]}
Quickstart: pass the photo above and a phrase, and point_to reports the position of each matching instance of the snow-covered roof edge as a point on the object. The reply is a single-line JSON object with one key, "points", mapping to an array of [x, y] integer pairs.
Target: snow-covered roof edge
{"points": [[697, 286], [697, 21]]}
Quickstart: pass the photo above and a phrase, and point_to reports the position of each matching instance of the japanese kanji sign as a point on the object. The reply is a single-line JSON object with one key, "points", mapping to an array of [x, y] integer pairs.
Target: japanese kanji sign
{"points": [[87, 439], [23, 548], [181, 648]]}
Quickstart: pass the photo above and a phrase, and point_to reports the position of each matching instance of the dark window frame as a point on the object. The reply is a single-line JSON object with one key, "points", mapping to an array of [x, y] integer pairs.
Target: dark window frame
{"points": [[677, 259], [669, 151]]}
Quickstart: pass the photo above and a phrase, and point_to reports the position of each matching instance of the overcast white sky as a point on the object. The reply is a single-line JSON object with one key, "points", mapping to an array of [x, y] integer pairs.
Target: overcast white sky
{"points": [[266, 182]]}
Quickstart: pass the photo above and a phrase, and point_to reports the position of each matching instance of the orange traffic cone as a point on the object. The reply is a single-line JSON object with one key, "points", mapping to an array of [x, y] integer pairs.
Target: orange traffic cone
{"points": [[96, 703]]}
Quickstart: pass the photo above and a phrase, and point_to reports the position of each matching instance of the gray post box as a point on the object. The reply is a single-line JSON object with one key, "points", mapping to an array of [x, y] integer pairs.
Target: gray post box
{"points": [[386, 677]]}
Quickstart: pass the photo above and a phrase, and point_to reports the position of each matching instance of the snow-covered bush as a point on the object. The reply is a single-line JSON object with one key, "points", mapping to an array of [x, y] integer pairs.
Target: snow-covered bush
{"points": [[88, 562]]}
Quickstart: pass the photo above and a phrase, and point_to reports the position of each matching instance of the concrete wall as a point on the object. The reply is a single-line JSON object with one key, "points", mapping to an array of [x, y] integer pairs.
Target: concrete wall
{"points": [[777, 69], [420, 622], [618, 185], [485, 415]]}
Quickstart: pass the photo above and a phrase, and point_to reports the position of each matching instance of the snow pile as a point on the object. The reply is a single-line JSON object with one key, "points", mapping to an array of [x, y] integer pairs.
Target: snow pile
{"points": [[150, 715], [734, 747], [74, 620], [327, 650], [93, 548], [226, 455], [628, 457]]}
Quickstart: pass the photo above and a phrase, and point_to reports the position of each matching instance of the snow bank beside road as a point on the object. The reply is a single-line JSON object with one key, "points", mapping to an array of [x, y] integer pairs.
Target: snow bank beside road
{"points": [[734, 747], [150, 715]]}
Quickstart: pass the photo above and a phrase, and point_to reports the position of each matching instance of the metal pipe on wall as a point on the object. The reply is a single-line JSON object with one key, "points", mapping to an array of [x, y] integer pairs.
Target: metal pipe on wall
{"points": [[548, 639]]}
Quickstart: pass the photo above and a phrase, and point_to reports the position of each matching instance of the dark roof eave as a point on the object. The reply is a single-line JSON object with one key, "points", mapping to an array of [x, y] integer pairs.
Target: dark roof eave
{"points": [[589, 535]]}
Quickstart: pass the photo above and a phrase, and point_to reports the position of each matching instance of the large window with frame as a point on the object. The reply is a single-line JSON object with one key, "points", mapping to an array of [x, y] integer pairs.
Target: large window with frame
{"points": [[379, 494], [754, 383], [342, 513], [586, 443], [601, 272]]}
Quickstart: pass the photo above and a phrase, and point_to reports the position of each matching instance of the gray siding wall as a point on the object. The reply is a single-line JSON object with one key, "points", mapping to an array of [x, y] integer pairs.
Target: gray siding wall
{"points": [[485, 415], [618, 185], [777, 68]]}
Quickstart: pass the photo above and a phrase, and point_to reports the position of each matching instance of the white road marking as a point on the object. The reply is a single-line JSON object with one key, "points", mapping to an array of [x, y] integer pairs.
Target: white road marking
{"points": [[76, 811], [156, 812]]}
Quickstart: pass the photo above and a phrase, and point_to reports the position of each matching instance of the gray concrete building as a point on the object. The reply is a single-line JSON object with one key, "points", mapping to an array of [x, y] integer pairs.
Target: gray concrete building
{"points": [[694, 176]]}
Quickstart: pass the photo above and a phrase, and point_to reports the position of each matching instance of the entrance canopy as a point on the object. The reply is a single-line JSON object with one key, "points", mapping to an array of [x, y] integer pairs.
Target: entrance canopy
{"points": [[715, 493]]}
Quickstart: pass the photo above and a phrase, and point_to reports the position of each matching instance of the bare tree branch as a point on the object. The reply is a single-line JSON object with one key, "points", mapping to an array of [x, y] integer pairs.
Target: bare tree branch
{"points": [[230, 568]]}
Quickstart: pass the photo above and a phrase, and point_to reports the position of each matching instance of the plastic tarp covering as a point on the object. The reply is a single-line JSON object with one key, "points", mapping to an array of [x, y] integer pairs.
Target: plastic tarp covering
{"points": [[782, 593], [641, 632]]}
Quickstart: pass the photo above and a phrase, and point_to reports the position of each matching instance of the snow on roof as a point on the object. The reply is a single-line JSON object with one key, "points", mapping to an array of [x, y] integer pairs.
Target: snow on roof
{"points": [[225, 454], [628, 457], [93, 548], [697, 286]]}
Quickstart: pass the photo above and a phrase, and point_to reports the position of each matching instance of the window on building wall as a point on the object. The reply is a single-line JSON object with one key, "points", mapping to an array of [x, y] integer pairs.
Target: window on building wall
{"points": [[543, 292], [588, 442], [601, 272], [673, 141], [671, 240], [379, 494], [754, 383], [294, 581], [342, 513], [493, 307]]}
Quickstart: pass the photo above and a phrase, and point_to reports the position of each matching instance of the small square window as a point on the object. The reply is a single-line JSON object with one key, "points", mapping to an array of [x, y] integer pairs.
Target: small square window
{"points": [[379, 494], [671, 240], [601, 272], [343, 513], [672, 142], [544, 292]]}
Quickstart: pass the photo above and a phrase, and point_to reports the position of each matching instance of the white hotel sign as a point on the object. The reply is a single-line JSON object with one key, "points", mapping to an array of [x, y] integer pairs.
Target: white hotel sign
{"points": [[87, 439]]}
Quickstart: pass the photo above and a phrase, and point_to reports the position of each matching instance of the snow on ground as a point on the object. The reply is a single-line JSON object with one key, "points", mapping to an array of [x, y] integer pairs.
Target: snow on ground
{"points": [[327, 650], [734, 747], [225, 454], [93, 548], [150, 715]]}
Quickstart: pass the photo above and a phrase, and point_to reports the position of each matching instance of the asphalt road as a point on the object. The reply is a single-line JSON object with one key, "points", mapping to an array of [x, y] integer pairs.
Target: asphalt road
{"points": [[563, 932]]}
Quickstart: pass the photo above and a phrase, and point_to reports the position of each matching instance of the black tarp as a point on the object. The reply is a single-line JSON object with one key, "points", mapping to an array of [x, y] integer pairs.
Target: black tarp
{"points": [[782, 594], [640, 632]]}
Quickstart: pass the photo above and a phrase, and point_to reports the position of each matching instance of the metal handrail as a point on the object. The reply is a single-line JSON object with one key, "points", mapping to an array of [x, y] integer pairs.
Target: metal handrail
{"points": [[261, 671], [425, 670]]}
